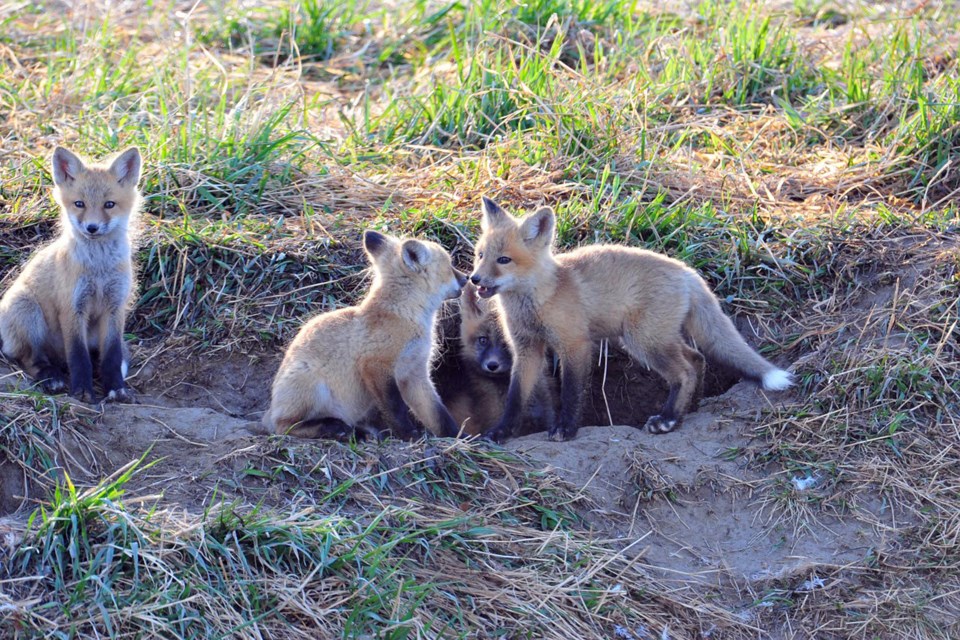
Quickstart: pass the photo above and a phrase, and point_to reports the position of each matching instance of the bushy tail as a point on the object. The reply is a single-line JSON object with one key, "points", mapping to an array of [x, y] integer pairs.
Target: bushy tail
{"points": [[714, 335]]}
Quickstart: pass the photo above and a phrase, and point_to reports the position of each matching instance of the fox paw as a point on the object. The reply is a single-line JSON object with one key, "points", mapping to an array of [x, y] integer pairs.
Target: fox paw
{"points": [[87, 396], [659, 424], [124, 395], [559, 434], [496, 434], [53, 384]]}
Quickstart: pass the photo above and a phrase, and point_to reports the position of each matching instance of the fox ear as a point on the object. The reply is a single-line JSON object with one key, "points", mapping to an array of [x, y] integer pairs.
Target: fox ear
{"points": [[537, 228], [493, 214], [374, 242], [66, 166], [126, 167], [469, 302], [415, 254]]}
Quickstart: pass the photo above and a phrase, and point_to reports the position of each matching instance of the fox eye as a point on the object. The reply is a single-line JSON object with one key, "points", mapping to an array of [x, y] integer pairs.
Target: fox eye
{"points": [[109, 204], [504, 260], [480, 254], [79, 204], [483, 341]]}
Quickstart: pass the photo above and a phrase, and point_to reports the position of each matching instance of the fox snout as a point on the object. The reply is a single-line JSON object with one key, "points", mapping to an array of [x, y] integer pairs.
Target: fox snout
{"points": [[92, 228], [492, 365], [486, 287], [459, 280]]}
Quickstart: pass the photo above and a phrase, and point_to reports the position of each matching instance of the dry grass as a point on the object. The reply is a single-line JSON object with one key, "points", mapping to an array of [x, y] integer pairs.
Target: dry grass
{"points": [[807, 166]]}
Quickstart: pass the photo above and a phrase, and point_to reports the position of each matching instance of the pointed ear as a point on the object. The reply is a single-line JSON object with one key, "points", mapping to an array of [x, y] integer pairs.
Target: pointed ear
{"points": [[492, 213], [375, 242], [415, 254], [66, 166], [126, 167], [470, 302], [537, 228]]}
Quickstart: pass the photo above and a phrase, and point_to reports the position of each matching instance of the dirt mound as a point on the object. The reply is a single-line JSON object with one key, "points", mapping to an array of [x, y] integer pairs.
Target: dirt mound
{"points": [[690, 506]]}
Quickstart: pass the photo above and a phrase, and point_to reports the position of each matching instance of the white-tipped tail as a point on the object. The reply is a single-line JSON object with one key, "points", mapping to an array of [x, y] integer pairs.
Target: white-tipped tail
{"points": [[777, 380]]}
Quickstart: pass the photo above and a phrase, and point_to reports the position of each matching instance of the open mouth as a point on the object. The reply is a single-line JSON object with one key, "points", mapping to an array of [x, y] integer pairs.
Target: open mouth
{"points": [[486, 292]]}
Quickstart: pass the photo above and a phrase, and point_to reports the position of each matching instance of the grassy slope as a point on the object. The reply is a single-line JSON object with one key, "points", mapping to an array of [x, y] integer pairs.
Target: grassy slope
{"points": [[802, 156]]}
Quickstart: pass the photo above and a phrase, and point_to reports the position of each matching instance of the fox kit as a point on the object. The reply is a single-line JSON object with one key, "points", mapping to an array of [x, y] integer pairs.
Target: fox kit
{"points": [[662, 311], [478, 400], [70, 301], [349, 367]]}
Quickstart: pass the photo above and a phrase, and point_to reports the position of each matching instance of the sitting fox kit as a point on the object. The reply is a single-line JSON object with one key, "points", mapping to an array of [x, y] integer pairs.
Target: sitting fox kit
{"points": [[657, 306], [349, 368], [69, 304], [478, 401]]}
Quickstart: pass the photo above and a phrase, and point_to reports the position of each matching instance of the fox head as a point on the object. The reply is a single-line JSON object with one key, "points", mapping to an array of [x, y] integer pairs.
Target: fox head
{"points": [[511, 251], [97, 199], [483, 344], [412, 265]]}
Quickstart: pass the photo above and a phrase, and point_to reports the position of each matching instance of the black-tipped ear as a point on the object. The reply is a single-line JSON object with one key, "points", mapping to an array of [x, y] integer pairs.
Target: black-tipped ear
{"points": [[415, 254], [537, 228], [493, 214], [470, 301], [66, 166], [374, 242], [126, 167]]}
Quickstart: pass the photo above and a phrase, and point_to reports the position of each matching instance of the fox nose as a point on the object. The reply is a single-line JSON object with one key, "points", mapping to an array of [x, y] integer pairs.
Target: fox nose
{"points": [[492, 366], [475, 278], [92, 227], [461, 278]]}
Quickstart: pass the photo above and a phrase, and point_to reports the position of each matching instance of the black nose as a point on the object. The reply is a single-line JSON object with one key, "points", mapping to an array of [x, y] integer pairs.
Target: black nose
{"points": [[493, 366], [461, 278], [92, 228], [475, 278]]}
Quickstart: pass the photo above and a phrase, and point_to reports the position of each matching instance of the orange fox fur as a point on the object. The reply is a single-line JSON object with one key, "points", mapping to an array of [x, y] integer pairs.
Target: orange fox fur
{"points": [[71, 300], [356, 365], [662, 311]]}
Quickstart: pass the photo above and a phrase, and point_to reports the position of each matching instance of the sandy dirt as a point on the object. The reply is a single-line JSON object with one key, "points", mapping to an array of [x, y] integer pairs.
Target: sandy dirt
{"points": [[685, 502]]}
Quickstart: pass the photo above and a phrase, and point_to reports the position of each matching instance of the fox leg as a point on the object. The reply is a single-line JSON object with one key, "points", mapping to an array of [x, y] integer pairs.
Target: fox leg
{"points": [[682, 368], [113, 358], [25, 335], [574, 372], [78, 357], [418, 393], [540, 410], [678, 364], [389, 400], [524, 377]]}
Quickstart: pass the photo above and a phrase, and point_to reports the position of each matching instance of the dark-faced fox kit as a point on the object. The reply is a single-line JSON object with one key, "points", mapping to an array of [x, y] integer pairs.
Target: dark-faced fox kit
{"points": [[351, 368], [663, 313], [479, 397], [68, 306]]}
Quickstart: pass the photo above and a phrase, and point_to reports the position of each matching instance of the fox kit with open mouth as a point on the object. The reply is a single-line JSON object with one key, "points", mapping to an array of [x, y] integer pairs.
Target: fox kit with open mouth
{"points": [[68, 306], [348, 368], [661, 310]]}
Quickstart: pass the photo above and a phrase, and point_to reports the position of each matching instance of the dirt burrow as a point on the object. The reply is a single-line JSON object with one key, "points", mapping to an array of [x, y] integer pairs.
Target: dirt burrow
{"points": [[690, 510]]}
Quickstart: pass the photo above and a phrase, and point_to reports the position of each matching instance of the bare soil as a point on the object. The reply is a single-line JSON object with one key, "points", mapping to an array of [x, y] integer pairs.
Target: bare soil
{"points": [[686, 503]]}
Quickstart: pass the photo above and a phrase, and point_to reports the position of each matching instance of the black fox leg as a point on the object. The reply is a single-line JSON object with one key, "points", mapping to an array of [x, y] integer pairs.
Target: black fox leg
{"points": [[112, 370], [81, 370]]}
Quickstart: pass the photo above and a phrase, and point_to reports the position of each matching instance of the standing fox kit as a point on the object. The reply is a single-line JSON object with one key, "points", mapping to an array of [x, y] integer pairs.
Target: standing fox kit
{"points": [[661, 310], [349, 367], [69, 304]]}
